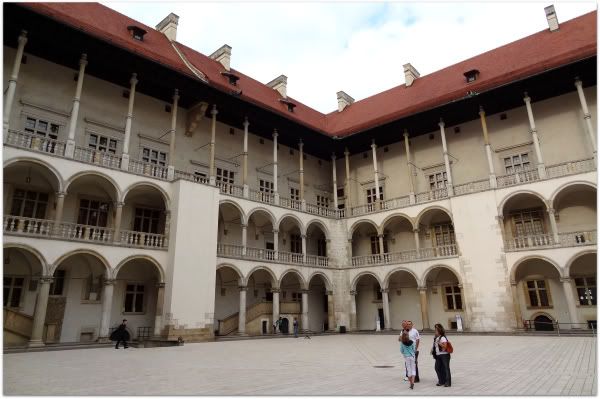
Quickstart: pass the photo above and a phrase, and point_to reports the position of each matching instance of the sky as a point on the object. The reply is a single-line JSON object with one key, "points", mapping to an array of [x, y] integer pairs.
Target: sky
{"points": [[357, 47]]}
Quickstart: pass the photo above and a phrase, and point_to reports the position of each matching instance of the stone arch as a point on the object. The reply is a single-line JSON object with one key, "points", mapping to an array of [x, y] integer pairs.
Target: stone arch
{"points": [[119, 196], [359, 275], [303, 284], [52, 169], [234, 268], [395, 215], [34, 252], [328, 284], [238, 207], [296, 218], [90, 252], [274, 281], [359, 222], [164, 194], [513, 270], [567, 185], [150, 259], [502, 203], [386, 280], [321, 225], [567, 270], [268, 212], [423, 281], [417, 219]]}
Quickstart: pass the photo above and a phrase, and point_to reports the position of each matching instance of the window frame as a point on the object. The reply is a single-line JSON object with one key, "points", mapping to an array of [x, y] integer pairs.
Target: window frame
{"points": [[520, 163], [225, 176], [24, 199], [35, 131], [322, 201], [526, 290], [437, 180], [135, 292], [150, 159], [53, 284], [586, 286], [99, 136], [372, 194], [100, 201], [453, 294], [266, 186], [143, 209], [12, 287], [86, 289], [517, 217]]}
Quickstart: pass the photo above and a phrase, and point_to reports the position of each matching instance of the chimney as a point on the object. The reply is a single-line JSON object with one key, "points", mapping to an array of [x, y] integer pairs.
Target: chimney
{"points": [[168, 26], [410, 74], [551, 17], [279, 84], [343, 100], [223, 55]]}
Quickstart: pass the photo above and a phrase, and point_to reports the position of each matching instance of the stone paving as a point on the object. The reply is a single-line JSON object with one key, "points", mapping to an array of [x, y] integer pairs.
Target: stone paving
{"points": [[323, 365]]}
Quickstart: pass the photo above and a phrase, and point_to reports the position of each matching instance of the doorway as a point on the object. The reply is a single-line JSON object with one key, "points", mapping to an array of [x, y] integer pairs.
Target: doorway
{"points": [[381, 319], [264, 327]]}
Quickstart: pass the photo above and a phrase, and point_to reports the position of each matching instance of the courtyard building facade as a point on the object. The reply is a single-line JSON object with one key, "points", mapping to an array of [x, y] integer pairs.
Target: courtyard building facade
{"points": [[147, 181]]}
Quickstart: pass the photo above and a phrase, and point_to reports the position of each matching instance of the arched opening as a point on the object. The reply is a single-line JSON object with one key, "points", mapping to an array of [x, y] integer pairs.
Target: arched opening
{"points": [[316, 244], [575, 215], [259, 303], [227, 299], [22, 271], [444, 297], [143, 217], [290, 299], [369, 304], [260, 234], [318, 304], [230, 231], [399, 237], [436, 234], [404, 299], [290, 240], [583, 275], [543, 322], [526, 222], [365, 243]]}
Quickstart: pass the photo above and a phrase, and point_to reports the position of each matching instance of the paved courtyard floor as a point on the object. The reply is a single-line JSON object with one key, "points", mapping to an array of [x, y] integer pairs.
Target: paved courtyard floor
{"points": [[323, 365]]}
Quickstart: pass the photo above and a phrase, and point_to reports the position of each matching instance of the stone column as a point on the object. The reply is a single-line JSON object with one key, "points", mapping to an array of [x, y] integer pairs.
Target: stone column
{"points": [[60, 205], [118, 216], [347, 183], [516, 304], [125, 157], [213, 129], [381, 246], [334, 173], [386, 309], [173, 131], [488, 149], [417, 241], [244, 239], [107, 298], [276, 243], [39, 315], [167, 230], [275, 292], [587, 117], [305, 326], [70, 149], [424, 310], [303, 236], [160, 300], [449, 186], [275, 176], [330, 312], [536, 142], [376, 175], [409, 167], [242, 313], [568, 289], [353, 321], [302, 200], [12, 82], [245, 160], [551, 213]]}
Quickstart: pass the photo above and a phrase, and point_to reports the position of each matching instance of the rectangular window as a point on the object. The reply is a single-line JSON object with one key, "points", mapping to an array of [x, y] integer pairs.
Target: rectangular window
{"points": [[321, 247], [41, 128], [453, 297], [372, 195], [13, 289], [443, 235], [93, 213], [295, 244], [154, 157], [527, 223], [102, 143], [516, 163], [294, 194], [340, 192], [134, 298], [537, 292], [322, 201], [438, 180], [375, 245], [265, 186], [225, 176], [586, 290], [146, 220], [29, 204], [58, 283], [93, 288]]}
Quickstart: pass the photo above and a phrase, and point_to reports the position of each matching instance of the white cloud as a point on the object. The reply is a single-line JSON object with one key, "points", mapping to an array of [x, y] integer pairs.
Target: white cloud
{"points": [[356, 47]]}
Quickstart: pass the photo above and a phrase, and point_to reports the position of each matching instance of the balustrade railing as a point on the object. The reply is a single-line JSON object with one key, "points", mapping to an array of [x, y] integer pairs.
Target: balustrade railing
{"points": [[180, 174], [472, 187], [432, 195], [81, 232], [363, 209], [394, 203], [410, 255], [570, 168], [231, 189], [141, 239], [237, 251], [29, 226], [261, 196], [529, 241], [35, 142], [290, 257], [290, 203], [525, 176], [148, 169], [321, 210], [577, 238], [230, 250], [314, 260], [101, 158]]}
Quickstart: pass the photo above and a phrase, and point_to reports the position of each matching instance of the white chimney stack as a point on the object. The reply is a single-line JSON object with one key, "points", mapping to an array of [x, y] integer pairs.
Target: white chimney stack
{"points": [[410, 74], [168, 26], [343, 100], [551, 17], [223, 55], [279, 84]]}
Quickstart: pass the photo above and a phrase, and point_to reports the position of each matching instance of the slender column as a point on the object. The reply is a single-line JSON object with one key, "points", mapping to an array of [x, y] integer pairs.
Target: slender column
{"points": [[335, 197], [125, 157], [347, 183], [536, 142], [302, 201], [381, 246], [568, 289], [213, 128], [488, 149], [417, 241], [386, 309], [516, 304], [424, 310], [242, 313], [107, 298], [118, 216], [245, 160], [12, 82], [501, 223], [60, 205], [409, 166], [551, 213], [173, 130], [587, 117], [303, 236], [275, 176], [167, 230], [305, 326], [353, 322], [160, 300], [275, 292], [70, 149], [376, 172], [330, 312], [244, 239], [276, 243], [39, 316], [449, 186]]}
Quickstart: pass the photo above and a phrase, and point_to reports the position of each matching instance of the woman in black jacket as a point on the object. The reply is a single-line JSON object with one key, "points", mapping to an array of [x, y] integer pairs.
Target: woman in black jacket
{"points": [[121, 335], [442, 357]]}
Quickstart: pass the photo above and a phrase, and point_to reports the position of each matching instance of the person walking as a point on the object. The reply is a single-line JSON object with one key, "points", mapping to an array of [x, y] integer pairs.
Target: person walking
{"points": [[442, 357], [408, 348], [275, 323], [121, 335], [414, 335], [295, 327]]}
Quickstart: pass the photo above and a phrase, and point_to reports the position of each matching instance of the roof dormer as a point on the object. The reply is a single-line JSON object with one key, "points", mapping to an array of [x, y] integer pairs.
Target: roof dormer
{"points": [[136, 32], [471, 75]]}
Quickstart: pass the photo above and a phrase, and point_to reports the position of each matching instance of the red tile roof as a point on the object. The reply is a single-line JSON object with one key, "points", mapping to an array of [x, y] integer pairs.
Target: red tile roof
{"points": [[531, 55]]}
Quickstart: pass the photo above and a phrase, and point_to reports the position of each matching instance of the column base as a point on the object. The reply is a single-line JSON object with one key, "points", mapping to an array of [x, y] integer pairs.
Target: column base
{"points": [[541, 170], [125, 162], [412, 199], [70, 149], [212, 181], [493, 182], [170, 172], [450, 190], [246, 191], [303, 205], [276, 198], [36, 344]]}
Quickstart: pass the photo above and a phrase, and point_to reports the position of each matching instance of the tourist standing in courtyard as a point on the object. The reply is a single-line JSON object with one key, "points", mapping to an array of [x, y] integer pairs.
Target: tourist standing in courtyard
{"points": [[295, 327], [442, 357], [414, 335], [408, 348], [120, 335]]}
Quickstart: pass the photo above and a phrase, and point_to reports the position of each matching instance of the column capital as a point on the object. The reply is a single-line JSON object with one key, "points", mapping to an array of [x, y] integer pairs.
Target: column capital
{"points": [[161, 285], [353, 292], [23, 37], [526, 97], [533, 131], [275, 231], [565, 280], [481, 111], [551, 211], [133, 81], [110, 281], [578, 82], [303, 236], [61, 193], [244, 225], [329, 292], [176, 95], [416, 230], [275, 134], [513, 282], [214, 111], [243, 288], [304, 291], [46, 279], [441, 123], [246, 123], [422, 290], [300, 144], [119, 204], [405, 134], [346, 152], [373, 145], [385, 290], [83, 60], [275, 290], [333, 156]]}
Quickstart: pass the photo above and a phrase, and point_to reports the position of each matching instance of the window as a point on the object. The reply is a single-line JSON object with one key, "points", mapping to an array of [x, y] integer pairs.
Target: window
{"points": [[471, 75], [265, 186], [13, 289], [102, 143], [296, 296], [452, 297], [93, 288], [527, 223], [375, 245], [438, 180], [93, 213], [340, 192], [537, 293], [134, 298], [225, 176], [443, 235], [321, 247], [29, 204], [322, 201], [516, 163], [58, 283], [154, 157], [146, 220], [372, 195], [295, 244], [41, 128], [136, 32], [294, 194], [586, 290]]}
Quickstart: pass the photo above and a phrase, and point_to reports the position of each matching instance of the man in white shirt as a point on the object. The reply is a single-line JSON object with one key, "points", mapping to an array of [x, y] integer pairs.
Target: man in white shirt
{"points": [[414, 336]]}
